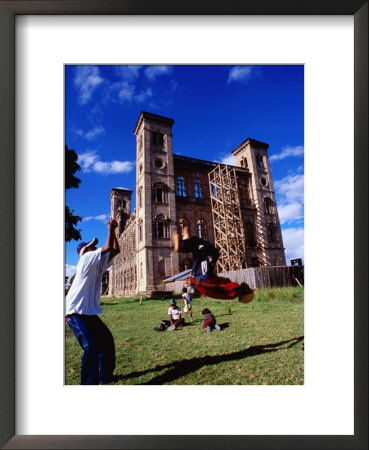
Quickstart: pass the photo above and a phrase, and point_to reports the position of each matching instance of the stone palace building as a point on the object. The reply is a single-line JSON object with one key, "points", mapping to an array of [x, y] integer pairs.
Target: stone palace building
{"points": [[233, 207]]}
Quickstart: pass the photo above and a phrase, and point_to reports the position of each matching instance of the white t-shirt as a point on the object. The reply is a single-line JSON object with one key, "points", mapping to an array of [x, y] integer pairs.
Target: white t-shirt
{"points": [[186, 297], [174, 312], [84, 294]]}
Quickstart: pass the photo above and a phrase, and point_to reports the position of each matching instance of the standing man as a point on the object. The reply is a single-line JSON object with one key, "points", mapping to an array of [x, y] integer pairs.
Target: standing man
{"points": [[83, 307]]}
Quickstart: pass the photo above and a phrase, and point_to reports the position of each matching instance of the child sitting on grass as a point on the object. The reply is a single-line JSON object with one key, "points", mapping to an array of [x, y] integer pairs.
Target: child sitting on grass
{"points": [[174, 313], [209, 321]]}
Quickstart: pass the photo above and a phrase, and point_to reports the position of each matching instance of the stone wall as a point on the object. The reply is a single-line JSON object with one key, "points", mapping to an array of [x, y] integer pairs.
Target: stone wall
{"points": [[123, 274]]}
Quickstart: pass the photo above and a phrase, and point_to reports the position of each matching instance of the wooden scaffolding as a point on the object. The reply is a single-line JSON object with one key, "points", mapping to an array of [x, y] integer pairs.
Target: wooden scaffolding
{"points": [[228, 227]]}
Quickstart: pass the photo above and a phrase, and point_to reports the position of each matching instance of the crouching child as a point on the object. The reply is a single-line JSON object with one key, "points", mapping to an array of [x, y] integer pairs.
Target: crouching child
{"points": [[209, 321]]}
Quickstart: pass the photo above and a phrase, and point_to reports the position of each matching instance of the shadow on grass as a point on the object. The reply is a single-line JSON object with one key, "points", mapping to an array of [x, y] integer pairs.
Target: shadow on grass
{"points": [[178, 369]]}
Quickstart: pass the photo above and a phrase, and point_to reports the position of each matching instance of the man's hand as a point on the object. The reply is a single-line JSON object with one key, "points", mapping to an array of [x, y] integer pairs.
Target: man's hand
{"points": [[112, 224], [192, 281], [111, 245]]}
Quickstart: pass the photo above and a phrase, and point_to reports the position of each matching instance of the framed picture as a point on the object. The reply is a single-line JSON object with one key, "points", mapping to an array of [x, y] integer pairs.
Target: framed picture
{"points": [[15, 203]]}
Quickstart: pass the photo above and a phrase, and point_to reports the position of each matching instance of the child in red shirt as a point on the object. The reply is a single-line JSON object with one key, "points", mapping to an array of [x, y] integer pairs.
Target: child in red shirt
{"points": [[209, 321]]}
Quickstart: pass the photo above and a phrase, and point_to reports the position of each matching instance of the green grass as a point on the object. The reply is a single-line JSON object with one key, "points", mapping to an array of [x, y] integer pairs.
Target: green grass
{"points": [[261, 343]]}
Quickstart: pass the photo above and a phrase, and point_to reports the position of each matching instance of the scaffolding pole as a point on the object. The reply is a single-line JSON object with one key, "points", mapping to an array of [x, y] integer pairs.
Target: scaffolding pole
{"points": [[228, 227]]}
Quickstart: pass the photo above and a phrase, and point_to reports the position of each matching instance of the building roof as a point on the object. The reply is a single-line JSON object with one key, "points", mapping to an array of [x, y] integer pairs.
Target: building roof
{"points": [[179, 276], [210, 164], [147, 115], [121, 189], [252, 142]]}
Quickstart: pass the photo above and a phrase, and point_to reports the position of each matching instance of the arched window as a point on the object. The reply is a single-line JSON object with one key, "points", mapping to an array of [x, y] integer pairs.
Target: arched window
{"points": [[160, 226], [272, 233], [140, 197], [121, 203], [161, 268], [181, 189], [183, 222], [197, 188], [259, 161], [202, 231], [268, 206], [244, 192], [139, 145], [159, 193], [157, 139], [140, 230], [250, 235], [244, 162]]}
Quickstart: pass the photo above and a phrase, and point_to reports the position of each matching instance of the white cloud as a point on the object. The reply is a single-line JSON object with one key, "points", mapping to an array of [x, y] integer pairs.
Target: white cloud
{"points": [[87, 159], [86, 80], [121, 91], [94, 132], [90, 162], [300, 169], [243, 74], [128, 73], [91, 134], [112, 167], [152, 72], [143, 95], [70, 270], [101, 218], [229, 159], [125, 92], [290, 189], [290, 212], [225, 158], [287, 152], [293, 241], [290, 196], [174, 85]]}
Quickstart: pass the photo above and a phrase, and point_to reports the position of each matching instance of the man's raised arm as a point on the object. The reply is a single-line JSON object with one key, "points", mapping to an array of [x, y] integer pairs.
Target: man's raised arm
{"points": [[111, 245]]}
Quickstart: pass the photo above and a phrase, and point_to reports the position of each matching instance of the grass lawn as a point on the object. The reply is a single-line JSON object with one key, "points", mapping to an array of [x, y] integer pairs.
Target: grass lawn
{"points": [[260, 343]]}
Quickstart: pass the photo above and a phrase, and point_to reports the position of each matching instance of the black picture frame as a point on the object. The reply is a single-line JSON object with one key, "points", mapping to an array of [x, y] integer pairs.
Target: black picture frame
{"points": [[8, 220]]}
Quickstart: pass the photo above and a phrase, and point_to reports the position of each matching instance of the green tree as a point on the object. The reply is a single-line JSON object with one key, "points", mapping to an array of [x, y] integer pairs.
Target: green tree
{"points": [[71, 181]]}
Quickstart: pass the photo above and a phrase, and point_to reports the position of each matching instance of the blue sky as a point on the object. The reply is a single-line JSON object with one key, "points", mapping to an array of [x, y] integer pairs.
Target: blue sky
{"points": [[215, 108]]}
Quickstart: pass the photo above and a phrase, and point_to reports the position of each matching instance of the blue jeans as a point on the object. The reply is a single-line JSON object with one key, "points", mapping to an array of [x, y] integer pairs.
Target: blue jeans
{"points": [[98, 359]]}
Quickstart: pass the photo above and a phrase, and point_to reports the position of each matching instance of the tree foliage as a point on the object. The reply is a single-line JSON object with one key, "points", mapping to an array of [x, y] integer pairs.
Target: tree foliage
{"points": [[71, 181], [71, 167], [71, 233]]}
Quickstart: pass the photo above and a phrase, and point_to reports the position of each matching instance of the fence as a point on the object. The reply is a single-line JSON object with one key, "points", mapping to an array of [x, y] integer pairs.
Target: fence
{"points": [[258, 277]]}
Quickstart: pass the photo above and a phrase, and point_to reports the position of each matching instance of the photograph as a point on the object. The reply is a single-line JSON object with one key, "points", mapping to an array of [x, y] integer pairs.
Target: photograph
{"points": [[168, 171], [184, 224]]}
